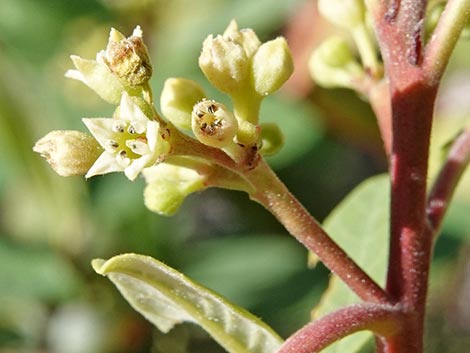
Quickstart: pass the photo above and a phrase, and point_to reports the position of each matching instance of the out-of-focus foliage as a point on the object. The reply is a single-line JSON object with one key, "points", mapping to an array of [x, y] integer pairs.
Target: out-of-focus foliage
{"points": [[51, 227]]}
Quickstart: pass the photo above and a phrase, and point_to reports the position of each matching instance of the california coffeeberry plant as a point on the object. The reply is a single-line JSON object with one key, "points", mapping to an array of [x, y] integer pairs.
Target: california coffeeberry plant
{"points": [[393, 54]]}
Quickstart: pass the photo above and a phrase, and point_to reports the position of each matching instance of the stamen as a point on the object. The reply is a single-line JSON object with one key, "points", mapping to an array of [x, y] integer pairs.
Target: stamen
{"points": [[131, 129], [118, 128], [138, 146], [212, 108], [113, 144]]}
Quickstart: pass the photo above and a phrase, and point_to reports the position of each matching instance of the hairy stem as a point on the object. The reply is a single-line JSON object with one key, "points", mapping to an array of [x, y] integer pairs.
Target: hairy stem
{"points": [[273, 194], [410, 243], [383, 320], [447, 180], [412, 98], [444, 38]]}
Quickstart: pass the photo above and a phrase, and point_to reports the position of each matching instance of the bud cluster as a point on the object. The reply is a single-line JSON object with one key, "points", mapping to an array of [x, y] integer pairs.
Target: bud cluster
{"points": [[237, 63]]}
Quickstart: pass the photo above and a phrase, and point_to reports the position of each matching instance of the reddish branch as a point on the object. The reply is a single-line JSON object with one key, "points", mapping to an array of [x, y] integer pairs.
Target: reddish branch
{"points": [[412, 102], [274, 195], [383, 320]]}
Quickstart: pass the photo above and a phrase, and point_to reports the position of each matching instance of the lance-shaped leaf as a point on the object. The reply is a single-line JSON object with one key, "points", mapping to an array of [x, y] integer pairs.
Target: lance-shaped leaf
{"points": [[166, 297]]}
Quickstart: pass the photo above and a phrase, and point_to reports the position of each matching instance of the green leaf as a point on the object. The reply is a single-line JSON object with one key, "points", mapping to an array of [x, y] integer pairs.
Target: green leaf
{"points": [[166, 297], [359, 224]]}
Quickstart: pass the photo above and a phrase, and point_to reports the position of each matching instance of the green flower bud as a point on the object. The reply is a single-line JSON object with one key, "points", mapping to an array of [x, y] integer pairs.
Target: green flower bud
{"points": [[272, 66], [332, 64], [343, 13], [178, 97], [168, 185], [69, 152], [248, 133], [271, 138], [225, 64], [128, 58], [246, 37], [213, 124]]}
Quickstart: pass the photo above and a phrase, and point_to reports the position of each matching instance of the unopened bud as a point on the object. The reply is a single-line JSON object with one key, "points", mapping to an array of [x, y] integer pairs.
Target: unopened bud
{"points": [[177, 100], [343, 13], [271, 138], [168, 185], [248, 133], [213, 124], [272, 66], [128, 58], [246, 37], [69, 152], [332, 64], [225, 64]]}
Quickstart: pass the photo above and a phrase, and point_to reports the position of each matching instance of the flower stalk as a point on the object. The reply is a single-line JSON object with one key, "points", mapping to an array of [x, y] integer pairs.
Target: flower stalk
{"points": [[273, 195]]}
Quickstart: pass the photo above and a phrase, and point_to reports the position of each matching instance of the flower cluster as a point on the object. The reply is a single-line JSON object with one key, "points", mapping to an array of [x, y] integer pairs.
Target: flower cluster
{"points": [[136, 139]]}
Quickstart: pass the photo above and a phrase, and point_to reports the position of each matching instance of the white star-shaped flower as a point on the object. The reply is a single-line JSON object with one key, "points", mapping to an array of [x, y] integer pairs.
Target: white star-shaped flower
{"points": [[130, 140]]}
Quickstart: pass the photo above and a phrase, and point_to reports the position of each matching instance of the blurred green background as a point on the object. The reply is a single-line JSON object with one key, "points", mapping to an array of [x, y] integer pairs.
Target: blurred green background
{"points": [[51, 227]]}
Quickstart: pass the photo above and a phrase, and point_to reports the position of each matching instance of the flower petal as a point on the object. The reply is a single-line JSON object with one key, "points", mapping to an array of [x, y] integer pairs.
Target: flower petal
{"points": [[106, 163], [152, 135], [129, 111], [136, 166], [98, 77], [101, 129]]}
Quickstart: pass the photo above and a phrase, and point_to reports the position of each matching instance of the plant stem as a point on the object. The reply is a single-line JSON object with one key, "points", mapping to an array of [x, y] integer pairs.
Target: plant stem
{"points": [[273, 194], [412, 98], [383, 320], [447, 180], [445, 37], [270, 192]]}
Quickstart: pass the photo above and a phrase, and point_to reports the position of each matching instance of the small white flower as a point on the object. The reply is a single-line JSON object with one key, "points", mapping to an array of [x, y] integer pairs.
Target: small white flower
{"points": [[130, 140]]}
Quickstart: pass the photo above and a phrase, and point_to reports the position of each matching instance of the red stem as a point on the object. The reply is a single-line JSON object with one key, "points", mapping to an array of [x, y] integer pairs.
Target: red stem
{"points": [[383, 320], [412, 101], [274, 195], [447, 180]]}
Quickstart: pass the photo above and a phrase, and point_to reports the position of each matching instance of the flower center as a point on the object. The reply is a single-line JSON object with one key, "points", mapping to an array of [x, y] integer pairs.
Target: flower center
{"points": [[127, 143]]}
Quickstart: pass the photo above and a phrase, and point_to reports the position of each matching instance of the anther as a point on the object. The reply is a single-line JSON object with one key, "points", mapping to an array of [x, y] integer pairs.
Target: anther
{"points": [[113, 144], [118, 128]]}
